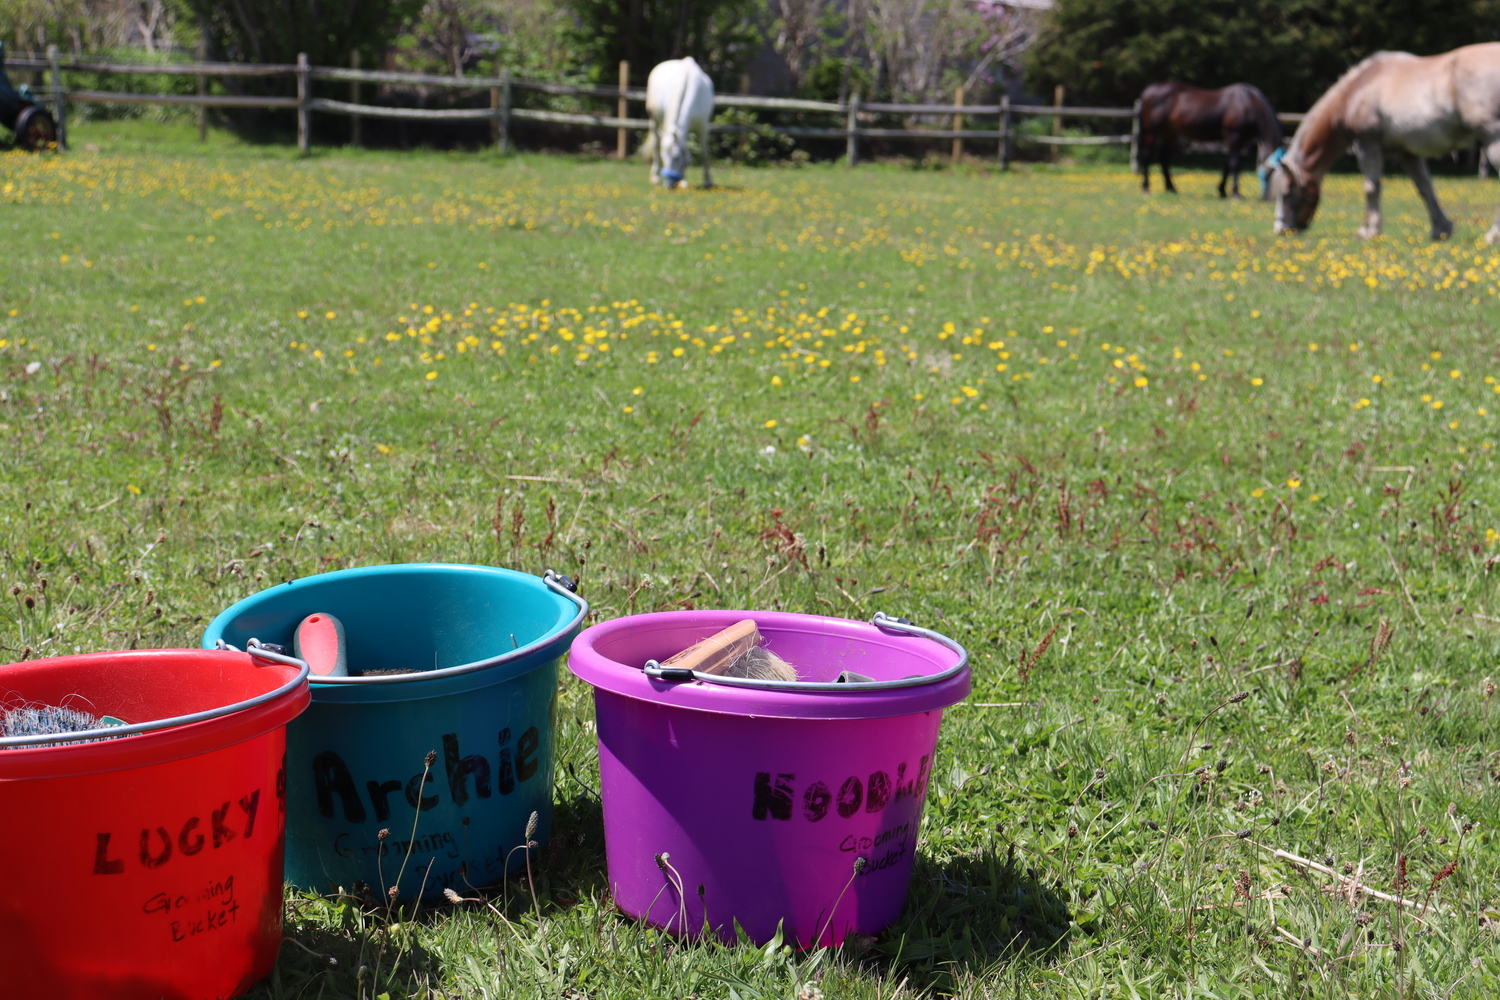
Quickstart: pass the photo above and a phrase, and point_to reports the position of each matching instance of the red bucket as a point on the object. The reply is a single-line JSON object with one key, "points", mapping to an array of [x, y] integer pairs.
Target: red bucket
{"points": [[148, 866]]}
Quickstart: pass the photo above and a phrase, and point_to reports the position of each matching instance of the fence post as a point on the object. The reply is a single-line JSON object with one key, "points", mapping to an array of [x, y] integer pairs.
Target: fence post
{"points": [[851, 134], [495, 117], [505, 110], [58, 104], [1484, 162], [304, 125], [202, 54], [1005, 132], [958, 124], [356, 122], [1057, 102], [1135, 137], [622, 110]]}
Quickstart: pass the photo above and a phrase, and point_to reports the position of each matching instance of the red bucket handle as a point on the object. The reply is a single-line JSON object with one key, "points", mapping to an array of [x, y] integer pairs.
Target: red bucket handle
{"points": [[83, 735]]}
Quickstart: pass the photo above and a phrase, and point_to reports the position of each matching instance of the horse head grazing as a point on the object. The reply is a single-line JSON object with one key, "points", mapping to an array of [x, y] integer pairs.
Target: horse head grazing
{"points": [[674, 155], [1296, 196]]}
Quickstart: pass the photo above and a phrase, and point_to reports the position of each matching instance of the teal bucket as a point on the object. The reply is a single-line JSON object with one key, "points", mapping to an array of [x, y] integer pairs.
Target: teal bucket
{"points": [[481, 648]]}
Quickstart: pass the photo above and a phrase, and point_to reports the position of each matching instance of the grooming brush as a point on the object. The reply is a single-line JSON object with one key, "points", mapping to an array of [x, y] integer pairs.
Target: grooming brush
{"points": [[320, 641], [48, 720], [734, 652]]}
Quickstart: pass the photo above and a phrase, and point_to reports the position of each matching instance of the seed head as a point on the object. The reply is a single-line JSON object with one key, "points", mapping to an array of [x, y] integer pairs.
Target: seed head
{"points": [[1099, 774], [1072, 829], [1239, 697], [452, 896], [430, 759], [859, 865], [1243, 834], [383, 834], [531, 826], [393, 892], [661, 860]]}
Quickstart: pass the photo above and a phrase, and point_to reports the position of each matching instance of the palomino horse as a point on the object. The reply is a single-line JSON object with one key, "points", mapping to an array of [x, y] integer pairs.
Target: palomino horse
{"points": [[1413, 106], [680, 100], [1237, 116]]}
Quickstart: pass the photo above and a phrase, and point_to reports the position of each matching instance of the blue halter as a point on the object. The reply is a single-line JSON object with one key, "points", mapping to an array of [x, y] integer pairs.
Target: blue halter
{"points": [[1263, 172]]}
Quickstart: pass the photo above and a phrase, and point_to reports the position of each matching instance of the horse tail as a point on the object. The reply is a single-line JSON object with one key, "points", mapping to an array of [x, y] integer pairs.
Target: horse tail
{"points": [[1272, 137]]}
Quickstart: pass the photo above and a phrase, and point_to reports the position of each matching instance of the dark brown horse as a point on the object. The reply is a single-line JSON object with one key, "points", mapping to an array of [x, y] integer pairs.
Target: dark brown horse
{"points": [[1239, 116]]}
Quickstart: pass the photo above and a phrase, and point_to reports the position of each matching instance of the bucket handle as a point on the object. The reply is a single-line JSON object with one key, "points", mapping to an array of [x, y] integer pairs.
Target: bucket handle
{"points": [[109, 732], [559, 584], [880, 620]]}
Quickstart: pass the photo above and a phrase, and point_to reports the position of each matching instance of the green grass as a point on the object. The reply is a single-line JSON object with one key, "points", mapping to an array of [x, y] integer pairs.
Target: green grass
{"points": [[201, 400]]}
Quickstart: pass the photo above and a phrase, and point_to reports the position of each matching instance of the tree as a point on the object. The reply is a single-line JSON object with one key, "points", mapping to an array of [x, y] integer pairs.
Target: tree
{"points": [[924, 47], [1107, 51], [533, 38], [275, 31], [721, 35]]}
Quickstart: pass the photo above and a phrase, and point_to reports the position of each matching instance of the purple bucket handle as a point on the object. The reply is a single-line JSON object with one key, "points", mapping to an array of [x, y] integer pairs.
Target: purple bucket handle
{"points": [[880, 620]]}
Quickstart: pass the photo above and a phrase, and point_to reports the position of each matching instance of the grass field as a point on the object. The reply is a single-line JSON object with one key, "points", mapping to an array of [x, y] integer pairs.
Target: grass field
{"points": [[1138, 455]]}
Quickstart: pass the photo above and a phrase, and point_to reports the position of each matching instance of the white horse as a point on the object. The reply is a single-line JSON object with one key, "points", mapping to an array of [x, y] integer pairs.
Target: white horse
{"points": [[1413, 106], [679, 99]]}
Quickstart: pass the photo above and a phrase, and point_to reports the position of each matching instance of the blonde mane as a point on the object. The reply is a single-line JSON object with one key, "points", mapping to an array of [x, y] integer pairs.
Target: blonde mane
{"points": [[1323, 135]]}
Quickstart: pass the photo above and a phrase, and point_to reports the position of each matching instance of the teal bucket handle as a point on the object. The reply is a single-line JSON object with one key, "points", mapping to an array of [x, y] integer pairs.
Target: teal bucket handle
{"points": [[556, 582]]}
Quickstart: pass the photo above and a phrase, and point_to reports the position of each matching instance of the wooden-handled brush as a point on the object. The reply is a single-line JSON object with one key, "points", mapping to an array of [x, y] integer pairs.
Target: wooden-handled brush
{"points": [[734, 652]]}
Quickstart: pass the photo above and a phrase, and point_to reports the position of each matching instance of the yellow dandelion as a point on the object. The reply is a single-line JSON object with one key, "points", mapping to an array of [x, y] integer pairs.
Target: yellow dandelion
{"points": [[769, 424]]}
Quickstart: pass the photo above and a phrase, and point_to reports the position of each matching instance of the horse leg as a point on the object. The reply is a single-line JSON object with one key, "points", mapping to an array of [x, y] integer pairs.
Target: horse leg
{"points": [[1232, 165], [1143, 155], [653, 142], [1493, 152], [1442, 226], [1371, 163], [1166, 167], [708, 177]]}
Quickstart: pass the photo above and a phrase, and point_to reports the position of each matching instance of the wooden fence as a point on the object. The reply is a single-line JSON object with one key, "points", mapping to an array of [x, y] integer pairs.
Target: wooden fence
{"points": [[500, 112]]}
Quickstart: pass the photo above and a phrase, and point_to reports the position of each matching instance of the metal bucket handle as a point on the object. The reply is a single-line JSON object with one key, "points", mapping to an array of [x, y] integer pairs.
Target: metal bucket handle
{"points": [[256, 653], [880, 620], [556, 582]]}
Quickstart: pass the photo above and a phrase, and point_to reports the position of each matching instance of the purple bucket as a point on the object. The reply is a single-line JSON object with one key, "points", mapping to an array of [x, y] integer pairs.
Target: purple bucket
{"points": [[764, 803]]}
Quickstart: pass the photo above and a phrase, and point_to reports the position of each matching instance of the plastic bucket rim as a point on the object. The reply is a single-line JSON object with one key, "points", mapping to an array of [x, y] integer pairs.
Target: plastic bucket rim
{"points": [[880, 620], [49, 739], [553, 581]]}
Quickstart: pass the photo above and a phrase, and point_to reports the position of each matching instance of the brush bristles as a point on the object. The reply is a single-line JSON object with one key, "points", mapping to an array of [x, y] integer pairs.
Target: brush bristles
{"points": [[47, 720], [760, 664]]}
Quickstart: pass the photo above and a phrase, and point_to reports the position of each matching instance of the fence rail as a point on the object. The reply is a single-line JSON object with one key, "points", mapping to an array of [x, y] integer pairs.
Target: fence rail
{"points": [[853, 114]]}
